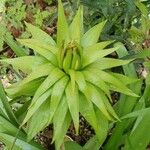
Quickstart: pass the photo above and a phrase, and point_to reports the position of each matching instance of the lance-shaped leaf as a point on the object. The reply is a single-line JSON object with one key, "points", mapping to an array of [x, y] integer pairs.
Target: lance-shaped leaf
{"points": [[59, 117], [96, 141], [86, 107], [7, 127], [18, 50], [43, 70], [34, 106], [19, 143], [104, 125], [42, 116], [93, 143], [107, 63], [97, 46], [76, 27], [116, 83], [125, 79], [87, 110], [93, 95], [91, 36], [62, 26], [40, 35], [25, 63], [2, 110], [56, 96], [62, 133], [28, 89], [92, 78], [80, 80], [53, 77], [8, 134], [22, 111], [6, 105], [41, 49], [38, 44], [73, 103], [107, 104], [72, 145], [93, 56], [135, 138], [136, 113]]}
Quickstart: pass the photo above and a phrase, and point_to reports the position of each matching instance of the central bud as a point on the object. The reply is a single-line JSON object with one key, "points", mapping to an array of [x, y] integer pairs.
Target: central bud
{"points": [[71, 57]]}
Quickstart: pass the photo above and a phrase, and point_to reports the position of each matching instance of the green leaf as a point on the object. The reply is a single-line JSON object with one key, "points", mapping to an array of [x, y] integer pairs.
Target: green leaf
{"points": [[34, 106], [25, 63], [73, 103], [96, 141], [57, 96], [8, 133], [93, 95], [93, 143], [42, 49], [92, 56], [94, 79], [126, 104], [41, 116], [43, 70], [76, 27], [2, 110], [59, 117], [142, 8], [65, 126], [87, 110], [61, 122], [28, 89], [136, 113], [138, 55], [38, 43], [139, 138], [91, 36], [40, 35], [97, 46], [104, 126], [53, 77], [80, 80], [62, 26], [19, 143], [7, 105], [108, 105], [21, 112], [116, 84], [107, 63], [7, 127], [139, 105], [69, 145], [18, 50], [126, 80]]}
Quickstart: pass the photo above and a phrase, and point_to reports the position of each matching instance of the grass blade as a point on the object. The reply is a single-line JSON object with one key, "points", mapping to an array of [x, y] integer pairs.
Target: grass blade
{"points": [[7, 105]]}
